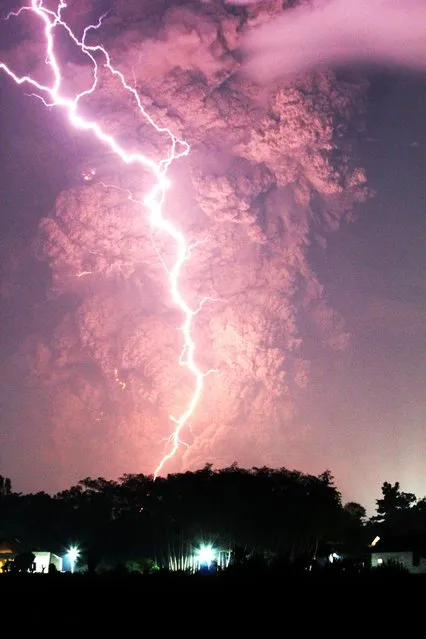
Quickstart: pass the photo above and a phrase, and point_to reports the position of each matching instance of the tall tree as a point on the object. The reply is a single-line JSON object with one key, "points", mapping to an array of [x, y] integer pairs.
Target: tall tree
{"points": [[5, 486], [394, 501], [355, 512]]}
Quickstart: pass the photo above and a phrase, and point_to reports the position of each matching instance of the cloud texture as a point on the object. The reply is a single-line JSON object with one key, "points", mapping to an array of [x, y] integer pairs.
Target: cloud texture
{"points": [[336, 32], [268, 175]]}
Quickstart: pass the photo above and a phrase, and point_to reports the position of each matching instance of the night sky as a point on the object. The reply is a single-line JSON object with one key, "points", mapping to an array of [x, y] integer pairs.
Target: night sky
{"points": [[362, 412], [366, 406]]}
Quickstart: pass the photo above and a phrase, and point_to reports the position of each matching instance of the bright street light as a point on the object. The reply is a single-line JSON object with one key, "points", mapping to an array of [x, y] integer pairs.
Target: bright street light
{"points": [[205, 555], [72, 555]]}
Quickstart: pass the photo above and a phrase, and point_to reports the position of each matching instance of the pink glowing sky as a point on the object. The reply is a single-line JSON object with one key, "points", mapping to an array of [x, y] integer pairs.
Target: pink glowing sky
{"points": [[318, 331]]}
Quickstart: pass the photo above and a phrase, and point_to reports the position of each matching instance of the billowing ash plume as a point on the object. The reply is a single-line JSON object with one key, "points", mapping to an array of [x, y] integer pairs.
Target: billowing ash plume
{"points": [[269, 173], [329, 32]]}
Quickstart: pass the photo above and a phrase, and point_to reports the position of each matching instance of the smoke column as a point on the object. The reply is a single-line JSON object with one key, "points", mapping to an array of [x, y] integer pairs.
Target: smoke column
{"points": [[388, 32]]}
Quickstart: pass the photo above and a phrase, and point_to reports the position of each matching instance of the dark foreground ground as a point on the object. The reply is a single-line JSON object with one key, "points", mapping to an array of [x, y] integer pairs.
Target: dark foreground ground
{"points": [[228, 605], [117, 584]]}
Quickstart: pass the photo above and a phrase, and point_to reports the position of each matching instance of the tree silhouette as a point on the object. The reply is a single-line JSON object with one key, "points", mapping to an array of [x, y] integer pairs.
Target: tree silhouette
{"points": [[258, 512], [355, 511], [393, 503], [5, 486], [23, 562]]}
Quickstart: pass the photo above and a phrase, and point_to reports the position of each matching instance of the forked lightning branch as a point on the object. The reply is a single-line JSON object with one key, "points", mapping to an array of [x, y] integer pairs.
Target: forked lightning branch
{"points": [[153, 204]]}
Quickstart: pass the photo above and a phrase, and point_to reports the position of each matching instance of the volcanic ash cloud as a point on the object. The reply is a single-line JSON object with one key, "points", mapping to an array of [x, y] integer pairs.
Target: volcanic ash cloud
{"points": [[265, 178]]}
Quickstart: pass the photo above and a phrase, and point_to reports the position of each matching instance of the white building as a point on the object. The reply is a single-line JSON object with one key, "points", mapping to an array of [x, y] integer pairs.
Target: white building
{"points": [[407, 559], [44, 559]]}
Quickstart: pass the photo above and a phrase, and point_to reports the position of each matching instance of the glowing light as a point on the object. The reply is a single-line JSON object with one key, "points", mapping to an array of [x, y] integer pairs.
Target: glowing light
{"points": [[206, 555], [118, 380], [202, 558], [333, 557], [154, 200], [89, 175], [375, 541], [73, 554]]}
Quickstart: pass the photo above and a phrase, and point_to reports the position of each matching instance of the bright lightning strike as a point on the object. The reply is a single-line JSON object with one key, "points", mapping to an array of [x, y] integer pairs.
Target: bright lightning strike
{"points": [[153, 202]]}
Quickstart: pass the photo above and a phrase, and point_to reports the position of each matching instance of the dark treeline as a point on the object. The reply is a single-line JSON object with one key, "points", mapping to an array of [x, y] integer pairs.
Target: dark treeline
{"points": [[259, 511], [275, 514]]}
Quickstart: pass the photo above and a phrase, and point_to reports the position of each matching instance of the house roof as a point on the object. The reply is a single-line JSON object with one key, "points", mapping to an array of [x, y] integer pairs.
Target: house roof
{"points": [[415, 542], [11, 547]]}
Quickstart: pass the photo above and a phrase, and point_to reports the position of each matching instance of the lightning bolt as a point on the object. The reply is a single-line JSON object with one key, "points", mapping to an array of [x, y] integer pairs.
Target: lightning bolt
{"points": [[154, 200]]}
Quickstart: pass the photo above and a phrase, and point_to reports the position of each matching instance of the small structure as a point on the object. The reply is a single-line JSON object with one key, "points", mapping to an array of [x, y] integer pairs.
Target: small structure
{"points": [[408, 551], [44, 559], [9, 550]]}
